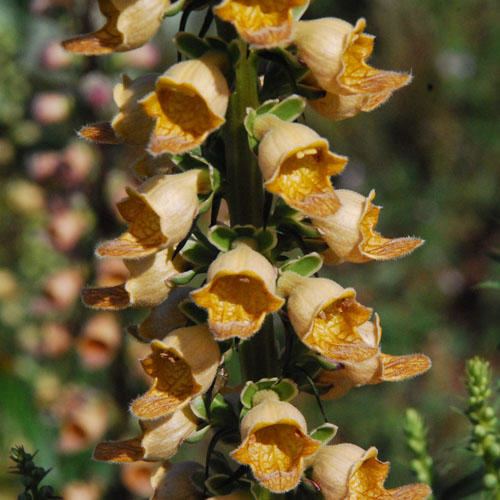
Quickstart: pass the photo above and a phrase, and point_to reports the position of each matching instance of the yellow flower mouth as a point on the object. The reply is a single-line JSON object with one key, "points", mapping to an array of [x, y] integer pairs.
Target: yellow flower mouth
{"points": [[173, 384], [275, 454], [358, 77], [237, 304], [303, 181], [261, 22], [334, 331], [183, 117], [374, 246]]}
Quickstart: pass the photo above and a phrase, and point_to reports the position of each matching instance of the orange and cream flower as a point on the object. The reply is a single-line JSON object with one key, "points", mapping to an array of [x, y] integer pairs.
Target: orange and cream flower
{"points": [[239, 293], [183, 365], [188, 103], [129, 24], [350, 232], [336, 53], [328, 319], [159, 214], [275, 444], [373, 370], [158, 441], [346, 471], [262, 23], [147, 286], [296, 164]]}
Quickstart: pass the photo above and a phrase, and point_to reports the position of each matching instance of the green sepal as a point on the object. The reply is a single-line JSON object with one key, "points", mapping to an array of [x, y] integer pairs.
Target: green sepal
{"points": [[185, 277], [298, 12], [221, 413], [223, 237], [216, 43], [286, 390], [219, 464], [199, 408], [198, 435], [307, 265], [175, 8], [324, 433], [197, 253], [191, 45], [223, 484], [196, 314]]}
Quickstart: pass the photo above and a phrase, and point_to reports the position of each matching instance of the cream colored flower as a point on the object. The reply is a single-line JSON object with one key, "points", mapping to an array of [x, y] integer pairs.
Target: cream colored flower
{"points": [[373, 370], [336, 53], [347, 472], [274, 444], [183, 365], [262, 23], [296, 164], [328, 319], [351, 236], [129, 24], [159, 440], [239, 293], [159, 214], [172, 481], [147, 286], [188, 103]]}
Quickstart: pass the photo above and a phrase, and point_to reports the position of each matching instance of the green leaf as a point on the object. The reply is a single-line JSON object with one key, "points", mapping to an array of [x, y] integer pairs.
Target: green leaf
{"points": [[197, 254], [324, 433], [305, 266], [286, 389], [193, 312], [190, 45], [267, 239], [221, 237], [247, 394], [221, 413]]}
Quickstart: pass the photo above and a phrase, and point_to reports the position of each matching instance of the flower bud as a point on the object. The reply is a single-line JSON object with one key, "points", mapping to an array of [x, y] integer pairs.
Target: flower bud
{"points": [[297, 165], [347, 471], [327, 318], [78, 490], [372, 370], [147, 286], [336, 53], [66, 228], [188, 103], [63, 287], [99, 341], [159, 214], [160, 440], [183, 365], [351, 236], [239, 293], [274, 444], [262, 23], [50, 107], [129, 24]]}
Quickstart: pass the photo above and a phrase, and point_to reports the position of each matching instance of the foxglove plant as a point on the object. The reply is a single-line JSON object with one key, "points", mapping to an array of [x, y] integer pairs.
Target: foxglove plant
{"points": [[220, 128]]}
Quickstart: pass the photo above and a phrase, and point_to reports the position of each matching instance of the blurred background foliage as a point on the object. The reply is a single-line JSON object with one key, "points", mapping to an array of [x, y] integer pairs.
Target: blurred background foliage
{"points": [[431, 154]]}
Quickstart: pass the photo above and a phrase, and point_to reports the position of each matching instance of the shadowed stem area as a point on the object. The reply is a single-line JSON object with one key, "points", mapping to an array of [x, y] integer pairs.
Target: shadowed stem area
{"points": [[245, 197]]}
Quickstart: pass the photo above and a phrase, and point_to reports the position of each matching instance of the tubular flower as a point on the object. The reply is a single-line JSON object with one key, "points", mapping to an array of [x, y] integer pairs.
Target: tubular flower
{"points": [[163, 318], [183, 365], [297, 165], [188, 103], [159, 214], [129, 24], [336, 53], [175, 481], [374, 370], [328, 319], [346, 471], [262, 23], [159, 440], [147, 286], [275, 444], [351, 236], [239, 293]]}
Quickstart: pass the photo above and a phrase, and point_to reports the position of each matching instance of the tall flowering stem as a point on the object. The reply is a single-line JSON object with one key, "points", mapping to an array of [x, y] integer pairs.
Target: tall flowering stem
{"points": [[223, 125]]}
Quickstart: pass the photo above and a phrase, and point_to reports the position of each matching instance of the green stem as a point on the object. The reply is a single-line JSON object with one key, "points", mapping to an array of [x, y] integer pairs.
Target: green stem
{"points": [[246, 198]]}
